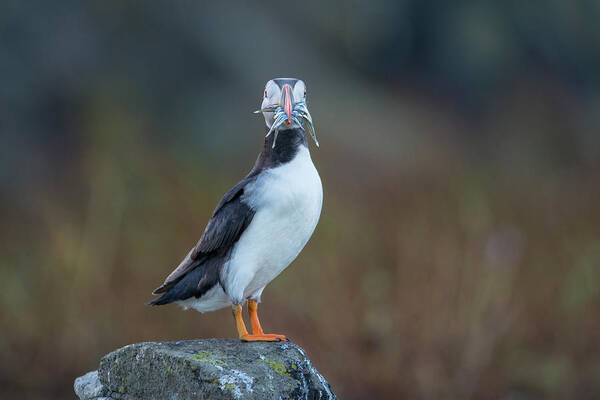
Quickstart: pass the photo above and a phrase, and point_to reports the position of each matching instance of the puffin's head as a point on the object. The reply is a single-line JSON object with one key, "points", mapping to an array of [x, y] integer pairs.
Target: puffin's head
{"points": [[284, 106]]}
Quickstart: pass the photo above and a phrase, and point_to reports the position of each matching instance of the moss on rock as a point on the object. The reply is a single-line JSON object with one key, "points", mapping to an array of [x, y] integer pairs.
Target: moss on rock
{"points": [[213, 368]]}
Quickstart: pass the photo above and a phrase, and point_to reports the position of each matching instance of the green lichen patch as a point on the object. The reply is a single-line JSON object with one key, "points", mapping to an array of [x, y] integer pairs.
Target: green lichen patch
{"points": [[277, 367], [167, 367], [207, 357], [201, 356]]}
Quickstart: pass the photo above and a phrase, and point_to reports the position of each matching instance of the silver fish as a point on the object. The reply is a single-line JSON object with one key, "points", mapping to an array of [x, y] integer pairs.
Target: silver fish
{"points": [[299, 114]]}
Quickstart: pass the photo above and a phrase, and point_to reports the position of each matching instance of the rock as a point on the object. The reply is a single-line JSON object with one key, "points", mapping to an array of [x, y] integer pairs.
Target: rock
{"points": [[205, 369], [88, 386]]}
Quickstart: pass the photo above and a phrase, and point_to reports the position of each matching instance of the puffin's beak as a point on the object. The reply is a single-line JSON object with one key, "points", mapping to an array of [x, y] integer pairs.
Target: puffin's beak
{"points": [[287, 99]]}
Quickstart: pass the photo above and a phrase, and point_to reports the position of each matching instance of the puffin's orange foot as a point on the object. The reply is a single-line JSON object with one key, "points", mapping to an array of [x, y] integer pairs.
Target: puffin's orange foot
{"points": [[265, 337]]}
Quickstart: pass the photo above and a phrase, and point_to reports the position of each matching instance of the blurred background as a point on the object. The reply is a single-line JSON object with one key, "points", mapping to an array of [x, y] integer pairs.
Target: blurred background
{"points": [[458, 252]]}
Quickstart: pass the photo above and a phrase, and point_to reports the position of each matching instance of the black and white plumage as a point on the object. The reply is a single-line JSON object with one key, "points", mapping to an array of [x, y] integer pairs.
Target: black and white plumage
{"points": [[261, 224]]}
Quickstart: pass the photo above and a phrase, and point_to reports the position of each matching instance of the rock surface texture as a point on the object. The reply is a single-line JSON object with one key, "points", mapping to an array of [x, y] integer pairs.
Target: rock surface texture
{"points": [[205, 369]]}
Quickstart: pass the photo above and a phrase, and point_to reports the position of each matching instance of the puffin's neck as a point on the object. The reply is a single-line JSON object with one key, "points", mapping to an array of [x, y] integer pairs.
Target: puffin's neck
{"points": [[289, 141]]}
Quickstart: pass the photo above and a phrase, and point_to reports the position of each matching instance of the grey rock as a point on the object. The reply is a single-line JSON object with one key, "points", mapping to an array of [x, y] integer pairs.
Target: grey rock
{"points": [[205, 369], [88, 386]]}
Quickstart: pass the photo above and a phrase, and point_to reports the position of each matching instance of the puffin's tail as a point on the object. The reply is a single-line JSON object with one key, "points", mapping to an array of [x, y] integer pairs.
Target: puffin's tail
{"points": [[172, 294], [162, 300], [193, 284], [166, 298]]}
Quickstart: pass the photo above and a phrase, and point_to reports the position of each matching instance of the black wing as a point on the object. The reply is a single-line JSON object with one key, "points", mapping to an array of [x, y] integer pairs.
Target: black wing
{"points": [[229, 220]]}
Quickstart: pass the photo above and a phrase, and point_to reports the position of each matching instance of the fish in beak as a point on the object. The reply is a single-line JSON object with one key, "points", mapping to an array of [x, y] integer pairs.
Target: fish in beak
{"points": [[288, 111]]}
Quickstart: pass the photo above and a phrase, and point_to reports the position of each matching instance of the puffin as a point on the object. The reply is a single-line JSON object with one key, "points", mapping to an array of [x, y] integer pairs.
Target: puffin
{"points": [[261, 224]]}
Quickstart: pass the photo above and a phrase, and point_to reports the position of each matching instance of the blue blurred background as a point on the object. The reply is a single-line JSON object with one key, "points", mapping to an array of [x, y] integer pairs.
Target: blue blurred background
{"points": [[458, 253]]}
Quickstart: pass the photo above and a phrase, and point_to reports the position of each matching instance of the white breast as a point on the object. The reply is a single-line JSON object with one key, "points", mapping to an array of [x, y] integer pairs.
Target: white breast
{"points": [[287, 200]]}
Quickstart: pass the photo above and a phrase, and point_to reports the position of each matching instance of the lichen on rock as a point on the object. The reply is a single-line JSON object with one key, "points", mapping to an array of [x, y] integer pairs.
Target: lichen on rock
{"points": [[205, 369]]}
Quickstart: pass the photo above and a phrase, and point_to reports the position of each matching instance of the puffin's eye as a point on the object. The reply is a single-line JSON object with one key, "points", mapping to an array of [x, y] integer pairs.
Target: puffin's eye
{"points": [[265, 92], [305, 93]]}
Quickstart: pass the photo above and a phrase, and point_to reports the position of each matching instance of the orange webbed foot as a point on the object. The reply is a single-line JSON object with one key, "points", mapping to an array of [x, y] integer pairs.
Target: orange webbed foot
{"points": [[264, 337]]}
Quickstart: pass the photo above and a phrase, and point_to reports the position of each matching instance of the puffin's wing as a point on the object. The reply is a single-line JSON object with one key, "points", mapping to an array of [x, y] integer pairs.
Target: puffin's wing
{"points": [[228, 222]]}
